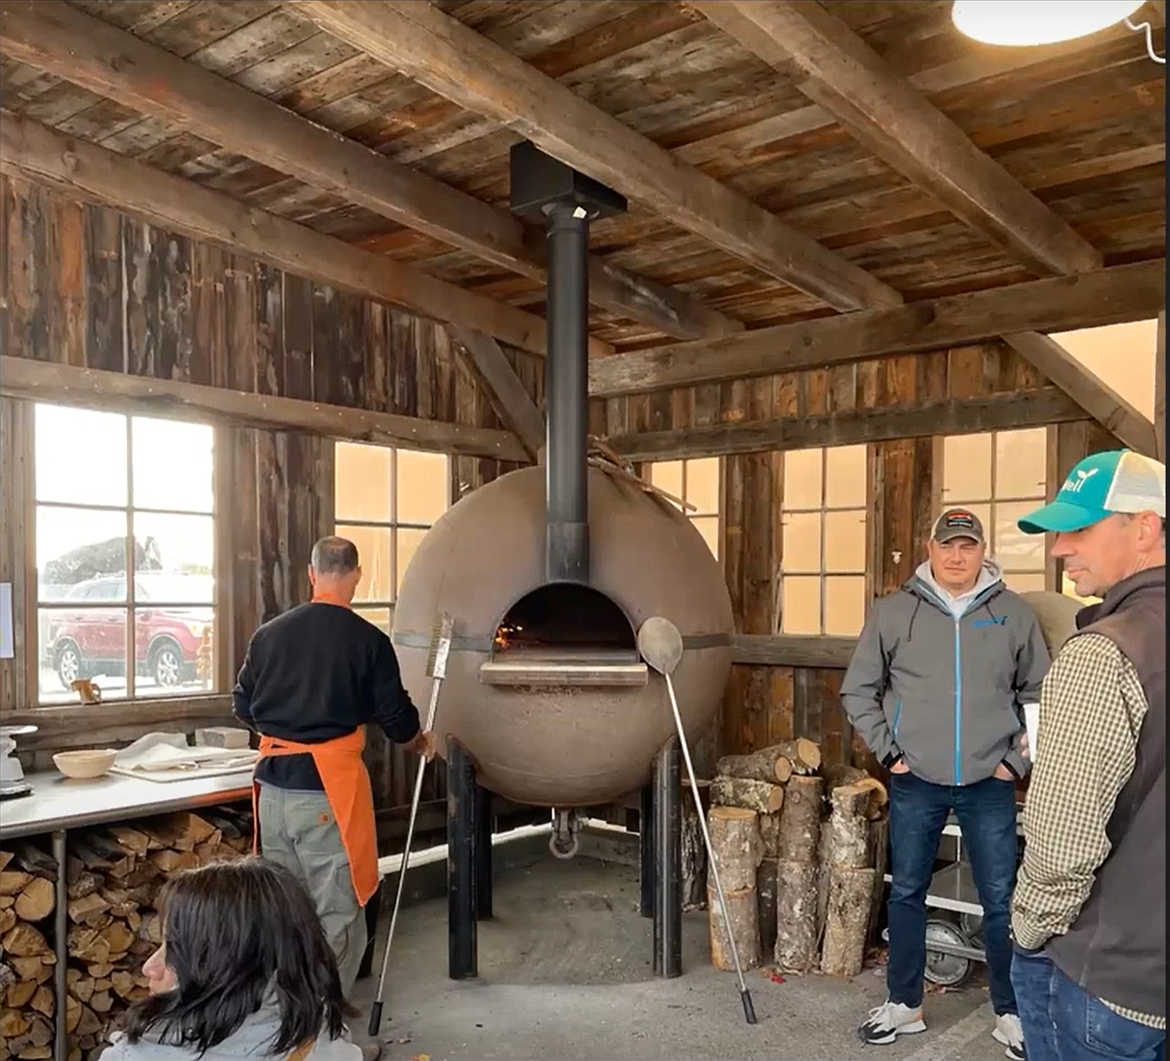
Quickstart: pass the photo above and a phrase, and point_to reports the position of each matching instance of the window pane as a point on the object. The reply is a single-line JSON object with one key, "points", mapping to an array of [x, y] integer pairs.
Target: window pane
{"points": [[1025, 583], [667, 475], [1015, 550], [802, 478], [172, 464], [966, 469], [844, 605], [703, 484], [80, 643], [408, 542], [802, 541], [845, 541], [708, 527], [423, 485], [801, 606], [80, 456], [362, 482], [845, 476], [173, 651], [76, 546], [173, 587], [380, 617], [1021, 461], [373, 546], [179, 546]]}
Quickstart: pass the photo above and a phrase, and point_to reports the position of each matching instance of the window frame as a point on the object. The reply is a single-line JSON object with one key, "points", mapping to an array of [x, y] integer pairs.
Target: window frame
{"points": [[823, 575], [647, 473]]}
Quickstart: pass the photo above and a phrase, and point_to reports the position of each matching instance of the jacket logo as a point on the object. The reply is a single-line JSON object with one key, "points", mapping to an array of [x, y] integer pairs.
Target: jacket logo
{"points": [[999, 620], [1074, 486]]}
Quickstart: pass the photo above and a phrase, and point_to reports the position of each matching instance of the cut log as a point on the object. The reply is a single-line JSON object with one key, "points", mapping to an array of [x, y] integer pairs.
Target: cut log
{"points": [[822, 881], [768, 764], [13, 881], [129, 839], [850, 896], [19, 994], [88, 1024], [85, 883], [43, 1001], [770, 834], [37, 900], [766, 877], [34, 968], [101, 1002], [7, 919], [735, 845], [5, 858], [804, 755], [879, 845], [23, 941], [694, 859], [6, 901], [800, 820], [122, 983], [172, 861], [742, 919], [32, 859], [88, 909], [12, 1023], [118, 901], [759, 796], [848, 843], [796, 916]]}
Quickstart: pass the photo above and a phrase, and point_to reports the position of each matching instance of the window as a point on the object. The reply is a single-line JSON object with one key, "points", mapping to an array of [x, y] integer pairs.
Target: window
{"points": [[1001, 476], [117, 494], [824, 527], [385, 500], [694, 482]]}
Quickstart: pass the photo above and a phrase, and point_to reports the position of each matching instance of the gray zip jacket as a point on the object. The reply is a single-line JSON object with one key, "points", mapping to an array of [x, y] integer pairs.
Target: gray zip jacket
{"points": [[941, 682]]}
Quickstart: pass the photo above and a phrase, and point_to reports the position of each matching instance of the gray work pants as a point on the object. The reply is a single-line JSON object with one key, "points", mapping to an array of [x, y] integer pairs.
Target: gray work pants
{"points": [[299, 832]]}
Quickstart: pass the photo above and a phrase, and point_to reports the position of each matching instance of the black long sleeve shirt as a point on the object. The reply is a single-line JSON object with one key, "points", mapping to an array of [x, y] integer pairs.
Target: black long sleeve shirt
{"points": [[314, 673]]}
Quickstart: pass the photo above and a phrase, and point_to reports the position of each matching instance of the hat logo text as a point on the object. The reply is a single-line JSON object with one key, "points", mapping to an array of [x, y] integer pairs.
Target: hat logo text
{"points": [[1075, 487]]}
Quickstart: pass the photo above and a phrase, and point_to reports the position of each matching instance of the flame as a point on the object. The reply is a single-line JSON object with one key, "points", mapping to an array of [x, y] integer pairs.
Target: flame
{"points": [[506, 634]]}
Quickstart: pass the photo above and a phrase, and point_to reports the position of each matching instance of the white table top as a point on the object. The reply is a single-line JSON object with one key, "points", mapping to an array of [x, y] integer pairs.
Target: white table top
{"points": [[58, 802]]}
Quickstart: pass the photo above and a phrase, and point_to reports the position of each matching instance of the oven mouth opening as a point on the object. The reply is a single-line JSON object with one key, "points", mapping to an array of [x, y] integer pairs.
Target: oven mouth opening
{"points": [[564, 633]]}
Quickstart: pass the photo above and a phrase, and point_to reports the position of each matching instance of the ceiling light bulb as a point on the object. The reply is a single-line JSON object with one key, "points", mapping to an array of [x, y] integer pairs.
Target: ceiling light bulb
{"points": [[1024, 22]]}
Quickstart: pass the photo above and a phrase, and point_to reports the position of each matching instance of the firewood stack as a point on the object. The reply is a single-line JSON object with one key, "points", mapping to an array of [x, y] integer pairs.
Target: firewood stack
{"points": [[113, 876], [816, 883]]}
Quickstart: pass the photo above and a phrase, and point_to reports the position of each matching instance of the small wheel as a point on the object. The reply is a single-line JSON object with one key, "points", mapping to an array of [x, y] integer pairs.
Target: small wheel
{"points": [[971, 924], [947, 970]]}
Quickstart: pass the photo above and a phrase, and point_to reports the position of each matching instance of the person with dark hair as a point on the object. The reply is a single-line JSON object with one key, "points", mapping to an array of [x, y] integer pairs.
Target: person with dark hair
{"points": [[244, 971], [311, 680]]}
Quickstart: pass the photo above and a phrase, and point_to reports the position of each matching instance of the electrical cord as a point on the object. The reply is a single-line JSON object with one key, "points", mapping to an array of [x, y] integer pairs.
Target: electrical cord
{"points": [[1149, 39]]}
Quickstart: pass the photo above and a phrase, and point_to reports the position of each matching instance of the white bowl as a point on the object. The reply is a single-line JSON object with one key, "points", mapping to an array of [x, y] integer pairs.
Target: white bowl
{"points": [[90, 763]]}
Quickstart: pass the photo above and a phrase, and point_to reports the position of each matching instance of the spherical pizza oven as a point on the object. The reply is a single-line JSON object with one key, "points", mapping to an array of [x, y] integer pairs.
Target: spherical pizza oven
{"points": [[544, 684]]}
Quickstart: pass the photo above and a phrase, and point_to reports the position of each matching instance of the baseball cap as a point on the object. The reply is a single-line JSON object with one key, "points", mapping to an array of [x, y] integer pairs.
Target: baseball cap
{"points": [[1118, 480], [958, 523]]}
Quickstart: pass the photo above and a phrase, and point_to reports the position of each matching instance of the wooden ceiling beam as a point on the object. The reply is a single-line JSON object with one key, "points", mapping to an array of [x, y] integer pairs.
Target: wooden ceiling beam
{"points": [[955, 416], [1087, 389], [63, 40], [92, 173], [836, 69], [1109, 296], [512, 402], [43, 381], [453, 60]]}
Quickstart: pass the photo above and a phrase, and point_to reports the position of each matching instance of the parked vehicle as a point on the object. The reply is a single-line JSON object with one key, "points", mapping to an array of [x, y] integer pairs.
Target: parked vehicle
{"points": [[91, 639]]}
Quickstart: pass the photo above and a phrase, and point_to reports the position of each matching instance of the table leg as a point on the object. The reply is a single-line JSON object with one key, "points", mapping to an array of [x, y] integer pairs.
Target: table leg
{"points": [[60, 945]]}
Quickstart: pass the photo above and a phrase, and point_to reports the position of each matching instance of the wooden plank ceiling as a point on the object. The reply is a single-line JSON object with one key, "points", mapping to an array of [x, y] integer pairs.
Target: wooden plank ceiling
{"points": [[1080, 126]]}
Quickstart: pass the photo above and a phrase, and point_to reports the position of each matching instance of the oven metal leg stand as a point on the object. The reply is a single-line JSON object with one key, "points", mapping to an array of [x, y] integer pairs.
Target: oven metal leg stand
{"points": [[646, 852], [668, 861], [483, 854], [462, 961], [61, 947]]}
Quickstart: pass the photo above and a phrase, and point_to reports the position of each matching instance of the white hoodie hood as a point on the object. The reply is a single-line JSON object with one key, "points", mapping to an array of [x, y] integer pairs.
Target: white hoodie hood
{"points": [[988, 577]]}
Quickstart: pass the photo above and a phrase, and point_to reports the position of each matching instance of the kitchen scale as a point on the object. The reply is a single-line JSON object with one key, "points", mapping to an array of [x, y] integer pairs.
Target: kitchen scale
{"points": [[12, 782]]}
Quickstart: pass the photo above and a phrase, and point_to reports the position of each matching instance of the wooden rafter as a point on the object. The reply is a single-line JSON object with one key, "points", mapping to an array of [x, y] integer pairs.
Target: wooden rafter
{"points": [[63, 40], [508, 396], [1109, 296], [22, 377], [472, 71], [836, 69], [95, 174], [955, 416]]}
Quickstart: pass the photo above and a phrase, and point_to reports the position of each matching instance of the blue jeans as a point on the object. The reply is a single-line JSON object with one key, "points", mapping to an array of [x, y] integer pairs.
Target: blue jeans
{"points": [[1063, 1022], [987, 817]]}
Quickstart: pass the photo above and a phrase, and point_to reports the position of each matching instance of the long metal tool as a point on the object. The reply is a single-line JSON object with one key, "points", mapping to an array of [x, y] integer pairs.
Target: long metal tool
{"points": [[437, 669], [661, 647]]}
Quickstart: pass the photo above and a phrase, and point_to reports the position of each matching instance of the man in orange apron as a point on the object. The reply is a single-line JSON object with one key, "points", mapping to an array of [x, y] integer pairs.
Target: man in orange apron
{"points": [[312, 679]]}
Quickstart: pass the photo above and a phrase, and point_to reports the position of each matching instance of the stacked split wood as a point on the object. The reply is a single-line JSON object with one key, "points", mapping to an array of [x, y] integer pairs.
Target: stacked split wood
{"points": [[113, 876], [735, 842]]}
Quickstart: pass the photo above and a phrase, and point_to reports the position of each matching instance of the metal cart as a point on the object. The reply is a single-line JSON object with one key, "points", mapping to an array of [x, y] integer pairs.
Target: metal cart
{"points": [[954, 939]]}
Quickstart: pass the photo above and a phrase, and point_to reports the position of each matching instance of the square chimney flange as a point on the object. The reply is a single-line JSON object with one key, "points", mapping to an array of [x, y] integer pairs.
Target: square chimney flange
{"points": [[539, 181]]}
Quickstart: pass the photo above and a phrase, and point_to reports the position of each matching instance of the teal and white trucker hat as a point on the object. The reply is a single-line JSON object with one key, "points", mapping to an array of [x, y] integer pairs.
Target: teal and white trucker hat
{"points": [[1118, 480]]}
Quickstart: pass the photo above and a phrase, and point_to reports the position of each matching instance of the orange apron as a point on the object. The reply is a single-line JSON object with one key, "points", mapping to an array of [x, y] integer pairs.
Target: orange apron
{"points": [[347, 787]]}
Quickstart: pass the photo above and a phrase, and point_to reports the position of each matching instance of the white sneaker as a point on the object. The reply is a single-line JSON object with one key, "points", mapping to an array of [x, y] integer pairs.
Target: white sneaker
{"points": [[1009, 1031], [888, 1021]]}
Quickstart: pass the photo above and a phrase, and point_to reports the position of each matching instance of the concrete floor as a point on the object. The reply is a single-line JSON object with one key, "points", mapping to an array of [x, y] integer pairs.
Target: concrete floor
{"points": [[565, 973]]}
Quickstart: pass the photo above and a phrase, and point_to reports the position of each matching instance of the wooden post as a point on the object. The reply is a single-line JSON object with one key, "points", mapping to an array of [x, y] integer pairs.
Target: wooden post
{"points": [[462, 957], [667, 858]]}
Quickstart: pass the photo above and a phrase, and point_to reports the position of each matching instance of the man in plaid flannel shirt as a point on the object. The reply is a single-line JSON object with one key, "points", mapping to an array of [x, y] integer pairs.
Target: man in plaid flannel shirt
{"points": [[1089, 910]]}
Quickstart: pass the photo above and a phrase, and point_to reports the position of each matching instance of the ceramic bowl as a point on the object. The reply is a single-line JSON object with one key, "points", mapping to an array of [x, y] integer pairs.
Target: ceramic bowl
{"points": [[86, 764]]}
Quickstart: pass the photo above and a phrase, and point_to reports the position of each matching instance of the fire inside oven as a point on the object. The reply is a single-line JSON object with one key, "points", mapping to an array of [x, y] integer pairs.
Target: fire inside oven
{"points": [[566, 621]]}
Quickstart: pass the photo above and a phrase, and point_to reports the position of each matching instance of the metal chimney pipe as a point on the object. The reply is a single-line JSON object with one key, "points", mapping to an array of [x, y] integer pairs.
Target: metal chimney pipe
{"points": [[566, 456]]}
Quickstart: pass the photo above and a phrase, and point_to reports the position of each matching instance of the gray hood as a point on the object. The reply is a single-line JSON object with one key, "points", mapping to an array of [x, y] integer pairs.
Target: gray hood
{"points": [[989, 575]]}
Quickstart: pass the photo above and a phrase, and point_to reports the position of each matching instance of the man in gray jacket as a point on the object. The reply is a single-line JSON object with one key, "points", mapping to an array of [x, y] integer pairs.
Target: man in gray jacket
{"points": [[934, 689]]}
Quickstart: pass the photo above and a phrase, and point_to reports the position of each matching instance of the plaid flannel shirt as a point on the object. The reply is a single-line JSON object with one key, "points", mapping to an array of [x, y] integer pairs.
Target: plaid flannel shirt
{"points": [[1084, 758]]}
